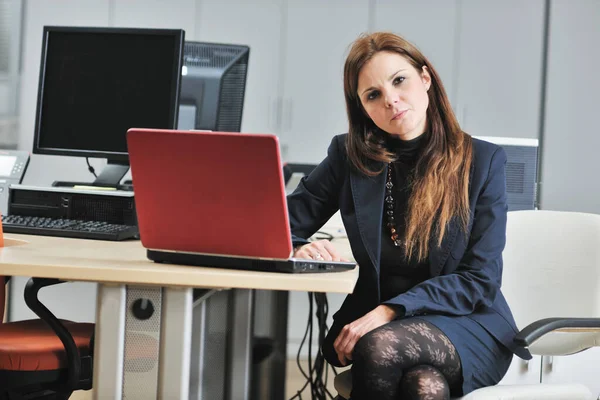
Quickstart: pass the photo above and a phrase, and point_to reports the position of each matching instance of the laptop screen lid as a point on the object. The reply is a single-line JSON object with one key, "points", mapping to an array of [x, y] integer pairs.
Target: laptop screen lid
{"points": [[216, 193]]}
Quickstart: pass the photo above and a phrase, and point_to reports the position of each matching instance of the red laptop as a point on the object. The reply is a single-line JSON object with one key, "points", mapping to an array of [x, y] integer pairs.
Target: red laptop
{"points": [[214, 199]]}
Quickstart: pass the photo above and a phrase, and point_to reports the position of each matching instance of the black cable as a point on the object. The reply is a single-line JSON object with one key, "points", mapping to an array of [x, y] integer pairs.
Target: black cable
{"points": [[317, 390], [299, 393], [90, 168], [320, 235], [321, 363], [318, 369]]}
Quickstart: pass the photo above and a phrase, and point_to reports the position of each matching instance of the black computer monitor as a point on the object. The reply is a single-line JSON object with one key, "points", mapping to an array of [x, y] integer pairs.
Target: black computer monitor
{"points": [[96, 83], [213, 86]]}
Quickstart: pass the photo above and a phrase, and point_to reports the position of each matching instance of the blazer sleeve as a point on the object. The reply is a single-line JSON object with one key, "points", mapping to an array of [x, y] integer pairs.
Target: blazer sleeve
{"points": [[477, 279], [316, 198]]}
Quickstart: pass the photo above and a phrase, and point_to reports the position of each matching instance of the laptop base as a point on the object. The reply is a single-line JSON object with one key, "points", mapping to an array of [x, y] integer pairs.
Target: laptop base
{"points": [[286, 266]]}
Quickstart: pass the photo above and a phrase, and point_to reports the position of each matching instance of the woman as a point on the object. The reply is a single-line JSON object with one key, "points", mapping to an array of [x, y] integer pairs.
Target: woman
{"points": [[424, 207]]}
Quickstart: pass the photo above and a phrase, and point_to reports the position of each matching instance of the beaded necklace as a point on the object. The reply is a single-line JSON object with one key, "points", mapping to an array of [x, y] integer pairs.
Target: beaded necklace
{"points": [[389, 208]]}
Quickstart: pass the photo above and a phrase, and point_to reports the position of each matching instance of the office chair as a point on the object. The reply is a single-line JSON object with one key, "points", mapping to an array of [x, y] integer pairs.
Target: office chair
{"points": [[551, 279], [43, 358]]}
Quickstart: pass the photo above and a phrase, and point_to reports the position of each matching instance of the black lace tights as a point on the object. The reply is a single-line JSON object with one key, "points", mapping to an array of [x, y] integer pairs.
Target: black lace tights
{"points": [[405, 359]]}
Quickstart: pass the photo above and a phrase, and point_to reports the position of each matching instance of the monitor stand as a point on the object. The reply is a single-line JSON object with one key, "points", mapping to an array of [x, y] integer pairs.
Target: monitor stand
{"points": [[110, 177]]}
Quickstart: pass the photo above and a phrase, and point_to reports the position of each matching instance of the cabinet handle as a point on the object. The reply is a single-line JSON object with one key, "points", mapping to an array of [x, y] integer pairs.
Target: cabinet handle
{"points": [[288, 115], [274, 116], [270, 113]]}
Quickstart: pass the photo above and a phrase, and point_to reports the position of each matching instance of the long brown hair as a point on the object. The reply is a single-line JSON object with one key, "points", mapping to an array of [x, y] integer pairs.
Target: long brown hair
{"points": [[440, 187]]}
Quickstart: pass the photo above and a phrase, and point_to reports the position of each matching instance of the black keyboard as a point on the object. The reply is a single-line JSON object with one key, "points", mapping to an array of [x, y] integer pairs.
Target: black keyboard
{"points": [[68, 228]]}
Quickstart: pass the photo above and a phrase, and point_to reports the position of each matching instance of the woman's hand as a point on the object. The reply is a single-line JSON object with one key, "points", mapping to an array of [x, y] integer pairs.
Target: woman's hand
{"points": [[318, 250], [349, 335]]}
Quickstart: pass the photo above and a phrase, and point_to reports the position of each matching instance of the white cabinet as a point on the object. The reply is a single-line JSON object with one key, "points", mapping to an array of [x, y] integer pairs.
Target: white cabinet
{"points": [[571, 137], [487, 53], [431, 25], [499, 67], [258, 25], [317, 38], [174, 14], [10, 39]]}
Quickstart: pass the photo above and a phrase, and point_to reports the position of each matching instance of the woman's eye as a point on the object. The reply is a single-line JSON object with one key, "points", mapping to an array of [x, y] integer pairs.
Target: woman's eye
{"points": [[398, 80], [373, 95]]}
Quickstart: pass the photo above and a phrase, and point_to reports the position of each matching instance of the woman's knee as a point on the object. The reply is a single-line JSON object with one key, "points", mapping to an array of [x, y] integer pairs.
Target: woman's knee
{"points": [[424, 382], [379, 346]]}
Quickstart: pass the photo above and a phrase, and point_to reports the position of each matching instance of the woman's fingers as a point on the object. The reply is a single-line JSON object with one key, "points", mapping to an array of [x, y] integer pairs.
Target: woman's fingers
{"points": [[318, 250], [337, 347], [345, 342], [306, 252], [332, 252], [347, 345]]}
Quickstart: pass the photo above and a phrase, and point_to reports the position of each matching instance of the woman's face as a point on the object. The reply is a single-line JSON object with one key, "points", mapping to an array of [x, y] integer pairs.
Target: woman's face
{"points": [[394, 94]]}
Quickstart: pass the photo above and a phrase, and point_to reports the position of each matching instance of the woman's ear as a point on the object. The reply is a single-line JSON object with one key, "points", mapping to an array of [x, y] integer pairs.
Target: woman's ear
{"points": [[426, 77]]}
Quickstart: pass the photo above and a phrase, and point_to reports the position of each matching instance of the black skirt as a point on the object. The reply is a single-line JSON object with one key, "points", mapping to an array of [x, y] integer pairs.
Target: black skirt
{"points": [[484, 360]]}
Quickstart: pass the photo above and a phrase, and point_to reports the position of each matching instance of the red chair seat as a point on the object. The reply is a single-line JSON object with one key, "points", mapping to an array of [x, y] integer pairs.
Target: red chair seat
{"points": [[32, 346]]}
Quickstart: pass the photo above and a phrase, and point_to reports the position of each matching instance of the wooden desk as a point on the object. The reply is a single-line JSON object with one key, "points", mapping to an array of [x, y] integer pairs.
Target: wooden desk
{"points": [[125, 275]]}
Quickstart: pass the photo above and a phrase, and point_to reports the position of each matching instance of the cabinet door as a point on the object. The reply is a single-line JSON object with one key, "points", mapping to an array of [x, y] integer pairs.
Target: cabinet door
{"points": [[258, 25], [318, 35], [174, 14], [500, 64], [523, 372], [571, 137], [428, 24], [581, 368]]}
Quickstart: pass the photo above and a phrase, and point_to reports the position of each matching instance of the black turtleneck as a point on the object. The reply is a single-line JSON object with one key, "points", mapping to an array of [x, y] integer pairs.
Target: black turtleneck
{"points": [[397, 274]]}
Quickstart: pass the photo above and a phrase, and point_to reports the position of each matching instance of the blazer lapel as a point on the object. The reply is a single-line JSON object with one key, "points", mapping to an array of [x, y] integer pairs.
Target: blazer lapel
{"points": [[368, 193]]}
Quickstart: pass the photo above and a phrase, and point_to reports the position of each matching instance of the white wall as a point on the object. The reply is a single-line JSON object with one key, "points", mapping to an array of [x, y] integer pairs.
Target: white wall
{"points": [[10, 34]]}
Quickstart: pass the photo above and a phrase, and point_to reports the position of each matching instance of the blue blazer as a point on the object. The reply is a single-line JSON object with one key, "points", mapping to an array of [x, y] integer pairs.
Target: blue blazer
{"points": [[465, 271]]}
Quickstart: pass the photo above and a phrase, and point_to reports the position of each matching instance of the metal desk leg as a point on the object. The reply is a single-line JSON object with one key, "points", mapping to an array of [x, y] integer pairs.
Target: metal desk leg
{"points": [[142, 343], [270, 322], [109, 342], [238, 385], [175, 344], [205, 368]]}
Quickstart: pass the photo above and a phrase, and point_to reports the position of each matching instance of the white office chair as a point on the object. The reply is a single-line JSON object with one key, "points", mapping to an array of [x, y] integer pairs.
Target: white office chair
{"points": [[551, 280]]}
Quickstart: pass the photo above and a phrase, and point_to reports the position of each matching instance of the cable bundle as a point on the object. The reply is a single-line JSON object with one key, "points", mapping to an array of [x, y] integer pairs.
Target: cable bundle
{"points": [[316, 377]]}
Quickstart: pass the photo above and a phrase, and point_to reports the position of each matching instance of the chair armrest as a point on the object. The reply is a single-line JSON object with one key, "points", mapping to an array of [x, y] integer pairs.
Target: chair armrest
{"points": [[537, 329], [32, 288]]}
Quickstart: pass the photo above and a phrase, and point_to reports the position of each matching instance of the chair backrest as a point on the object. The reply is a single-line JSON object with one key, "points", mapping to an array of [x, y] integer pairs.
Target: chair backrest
{"points": [[552, 265]]}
